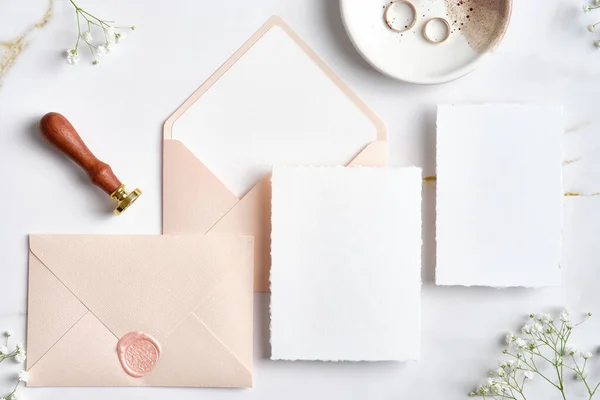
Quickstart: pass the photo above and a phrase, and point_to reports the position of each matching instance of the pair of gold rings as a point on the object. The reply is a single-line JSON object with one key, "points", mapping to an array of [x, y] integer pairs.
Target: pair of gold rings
{"points": [[414, 21]]}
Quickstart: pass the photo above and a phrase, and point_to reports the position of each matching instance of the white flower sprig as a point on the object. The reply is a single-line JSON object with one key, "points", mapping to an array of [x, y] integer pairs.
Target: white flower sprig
{"points": [[592, 28], [19, 356], [111, 35], [544, 340]]}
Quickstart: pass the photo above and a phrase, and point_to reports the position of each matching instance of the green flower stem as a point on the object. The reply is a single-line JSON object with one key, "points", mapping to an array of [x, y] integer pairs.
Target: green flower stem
{"points": [[581, 372], [518, 388], [91, 20], [79, 31], [534, 368], [543, 339], [14, 390], [594, 391], [9, 355]]}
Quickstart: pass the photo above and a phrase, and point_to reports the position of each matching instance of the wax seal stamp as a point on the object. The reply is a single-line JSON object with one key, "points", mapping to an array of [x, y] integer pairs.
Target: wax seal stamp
{"points": [[138, 353], [59, 131]]}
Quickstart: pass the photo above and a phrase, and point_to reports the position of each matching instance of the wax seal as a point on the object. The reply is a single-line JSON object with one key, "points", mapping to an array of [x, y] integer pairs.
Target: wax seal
{"points": [[138, 353]]}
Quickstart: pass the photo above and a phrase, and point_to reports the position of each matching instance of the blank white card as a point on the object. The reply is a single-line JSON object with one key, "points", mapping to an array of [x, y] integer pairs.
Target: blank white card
{"points": [[346, 264], [499, 195]]}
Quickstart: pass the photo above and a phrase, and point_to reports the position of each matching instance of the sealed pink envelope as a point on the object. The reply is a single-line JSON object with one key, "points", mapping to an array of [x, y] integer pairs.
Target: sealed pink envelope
{"points": [[115, 310], [273, 102]]}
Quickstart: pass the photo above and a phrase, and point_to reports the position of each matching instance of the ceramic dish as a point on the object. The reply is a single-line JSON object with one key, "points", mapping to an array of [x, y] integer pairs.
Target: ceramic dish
{"points": [[476, 28]]}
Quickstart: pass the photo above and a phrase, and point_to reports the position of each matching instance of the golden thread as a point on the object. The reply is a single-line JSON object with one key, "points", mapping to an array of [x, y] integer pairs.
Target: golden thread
{"points": [[576, 194], [10, 51]]}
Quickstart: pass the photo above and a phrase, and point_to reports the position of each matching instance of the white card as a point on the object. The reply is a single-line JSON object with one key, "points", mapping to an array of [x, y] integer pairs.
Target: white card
{"points": [[346, 264], [275, 105], [499, 195]]}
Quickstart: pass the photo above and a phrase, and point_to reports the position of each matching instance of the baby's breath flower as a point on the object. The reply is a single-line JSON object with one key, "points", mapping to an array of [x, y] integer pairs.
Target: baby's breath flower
{"points": [[542, 342], [509, 366], [520, 343], [488, 382], [103, 50], [569, 325], [597, 43], [111, 36], [121, 37], [587, 8], [510, 338], [527, 329], [20, 357], [87, 36], [7, 334], [544, 318], [72, 56], [23, 376]]}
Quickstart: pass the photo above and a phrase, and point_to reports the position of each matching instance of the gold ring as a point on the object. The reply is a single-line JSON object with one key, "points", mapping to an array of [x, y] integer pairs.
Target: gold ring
{"points": [[442, 40], [388, 22]]}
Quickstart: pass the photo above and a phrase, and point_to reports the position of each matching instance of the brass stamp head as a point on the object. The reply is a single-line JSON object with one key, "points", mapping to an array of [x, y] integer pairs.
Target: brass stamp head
{"points": [[124, 199]]}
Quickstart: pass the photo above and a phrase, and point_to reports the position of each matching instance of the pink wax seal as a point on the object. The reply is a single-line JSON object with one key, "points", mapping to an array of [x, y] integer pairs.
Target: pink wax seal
{"points": [[138, 353]]}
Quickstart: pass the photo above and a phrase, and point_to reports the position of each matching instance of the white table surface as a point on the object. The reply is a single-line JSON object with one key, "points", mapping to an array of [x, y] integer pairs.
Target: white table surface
{"points": [[119, 106]]}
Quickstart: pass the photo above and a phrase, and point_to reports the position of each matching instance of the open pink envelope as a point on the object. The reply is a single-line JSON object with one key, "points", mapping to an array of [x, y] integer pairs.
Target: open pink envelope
{"points": [[192, 294], [273, 84]]}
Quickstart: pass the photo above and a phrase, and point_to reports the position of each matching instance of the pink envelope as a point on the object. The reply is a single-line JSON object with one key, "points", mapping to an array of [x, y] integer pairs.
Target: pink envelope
{"points": [[192, 294], [196, 201]]}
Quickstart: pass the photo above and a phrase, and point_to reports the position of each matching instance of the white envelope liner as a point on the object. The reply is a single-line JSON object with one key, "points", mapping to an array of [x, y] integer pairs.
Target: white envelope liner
{"points": [[499, 195], [346, 264], [273, 106]]}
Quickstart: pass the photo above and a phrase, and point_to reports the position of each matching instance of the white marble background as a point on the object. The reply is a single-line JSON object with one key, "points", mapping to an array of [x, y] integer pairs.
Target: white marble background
{"points": [[547, 56]]}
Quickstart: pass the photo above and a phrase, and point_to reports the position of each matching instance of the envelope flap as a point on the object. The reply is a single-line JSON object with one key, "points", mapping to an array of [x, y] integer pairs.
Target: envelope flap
{"points": [[85, 356], [252, 216], [192, 356], [273, 102], [147, 283], [194, 199], [195, 356], [228, 314], [374, 155], [52, 310]]}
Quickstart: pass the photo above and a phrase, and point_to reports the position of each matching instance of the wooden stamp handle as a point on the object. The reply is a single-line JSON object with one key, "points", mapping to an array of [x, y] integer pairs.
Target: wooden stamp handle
{"points": [[59, 131]]}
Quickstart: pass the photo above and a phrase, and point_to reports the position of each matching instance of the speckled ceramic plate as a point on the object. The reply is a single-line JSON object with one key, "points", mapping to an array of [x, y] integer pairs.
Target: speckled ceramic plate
{"points": [[476, 28]]}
